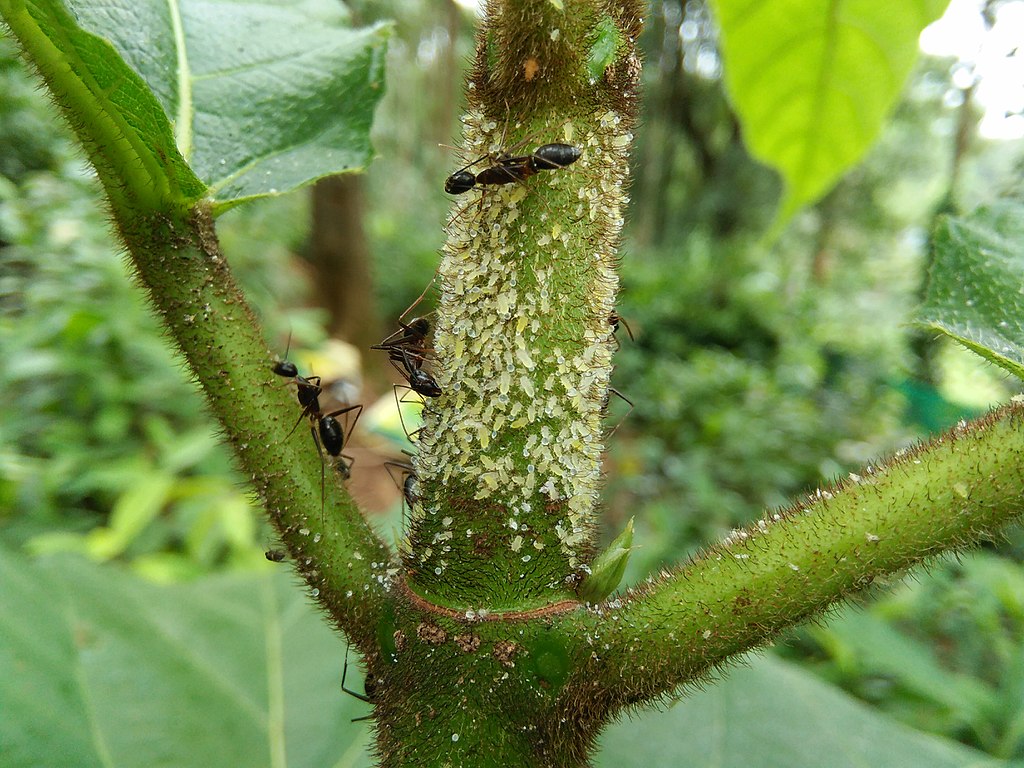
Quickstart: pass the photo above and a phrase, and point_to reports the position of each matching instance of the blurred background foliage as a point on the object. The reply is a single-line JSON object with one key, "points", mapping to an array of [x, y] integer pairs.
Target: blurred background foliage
{"points": [[756, 370]]}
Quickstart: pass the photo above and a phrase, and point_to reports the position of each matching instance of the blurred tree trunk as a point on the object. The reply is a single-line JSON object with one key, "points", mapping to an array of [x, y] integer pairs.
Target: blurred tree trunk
{"points": [[446, 78], [340, 256]]}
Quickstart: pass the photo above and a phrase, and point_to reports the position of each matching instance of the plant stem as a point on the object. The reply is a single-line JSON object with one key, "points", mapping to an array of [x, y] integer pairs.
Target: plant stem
{"points": [[950, 493], [508, 463]]}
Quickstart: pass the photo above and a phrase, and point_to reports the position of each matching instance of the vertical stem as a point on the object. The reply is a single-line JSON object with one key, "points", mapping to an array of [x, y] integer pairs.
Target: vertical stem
{"points": [[509, 460]]}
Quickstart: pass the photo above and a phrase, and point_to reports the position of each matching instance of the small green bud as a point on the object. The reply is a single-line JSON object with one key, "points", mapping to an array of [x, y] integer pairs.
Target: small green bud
{"points": [[607, 569]]}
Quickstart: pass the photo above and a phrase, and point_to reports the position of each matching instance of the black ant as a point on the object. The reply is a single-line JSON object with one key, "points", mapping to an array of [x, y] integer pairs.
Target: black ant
{"points": [[506, 169], [275, 555], [328, 434], [410, 365], [614, 319], [411, 336], [368, 685], [406, 344], [408, 483]]}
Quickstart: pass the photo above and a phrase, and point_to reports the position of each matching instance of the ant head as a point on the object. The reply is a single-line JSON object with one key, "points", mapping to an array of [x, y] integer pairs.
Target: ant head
{"points": [[343, 468], [286, 368], [459, 182], [419, 326]]}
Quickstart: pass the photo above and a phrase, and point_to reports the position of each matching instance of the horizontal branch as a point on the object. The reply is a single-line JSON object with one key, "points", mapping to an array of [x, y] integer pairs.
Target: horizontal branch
{"points": [[947, 494]]}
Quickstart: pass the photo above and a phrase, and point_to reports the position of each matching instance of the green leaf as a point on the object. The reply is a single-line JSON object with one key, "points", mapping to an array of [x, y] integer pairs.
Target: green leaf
{"points": [[975, 292], [114, 112], [873, 647], [608, 567], [265, 96], [772, 714], [812, 82], [101, 669]]}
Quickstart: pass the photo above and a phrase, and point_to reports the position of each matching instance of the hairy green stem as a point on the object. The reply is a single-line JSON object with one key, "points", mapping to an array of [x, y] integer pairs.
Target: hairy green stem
{"points": [[508, 463], [948, 494]]}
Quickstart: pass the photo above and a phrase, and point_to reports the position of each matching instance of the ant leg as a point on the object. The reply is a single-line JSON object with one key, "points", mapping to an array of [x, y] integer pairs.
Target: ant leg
{"points": [[361, 696], [411, 307], [399, 401], [614, 391], [323, 473]]}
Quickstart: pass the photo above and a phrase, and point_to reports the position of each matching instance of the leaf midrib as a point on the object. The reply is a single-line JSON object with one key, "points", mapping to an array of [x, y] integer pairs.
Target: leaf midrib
{"points": [[185, 110]]}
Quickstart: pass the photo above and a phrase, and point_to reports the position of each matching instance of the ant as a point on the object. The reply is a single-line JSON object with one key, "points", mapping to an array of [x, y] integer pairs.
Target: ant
{"points": [[328, 433], [411, 336], [506, 169], [410, 365], [275, 555], [407, 351], [614, 319], [408, 483], [406, 345]]}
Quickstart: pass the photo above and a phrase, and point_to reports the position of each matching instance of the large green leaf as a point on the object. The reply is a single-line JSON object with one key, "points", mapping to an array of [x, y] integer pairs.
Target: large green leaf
{"points": [[864, 645], [976, 285], [90, 79], [264, 96], [100, 669], [773, 715], [812, 80]]}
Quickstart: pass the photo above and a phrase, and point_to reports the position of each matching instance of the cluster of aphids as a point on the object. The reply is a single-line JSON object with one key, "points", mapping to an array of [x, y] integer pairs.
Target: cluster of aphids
{"points": [[408, 348]]}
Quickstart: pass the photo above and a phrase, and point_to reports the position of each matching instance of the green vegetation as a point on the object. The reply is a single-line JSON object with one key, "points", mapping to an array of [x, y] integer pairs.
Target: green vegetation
{"points": [[761, 368]]}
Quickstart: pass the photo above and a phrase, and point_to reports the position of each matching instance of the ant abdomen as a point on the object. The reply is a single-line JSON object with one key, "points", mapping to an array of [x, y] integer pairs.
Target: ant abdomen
{"points": [[550, 157]]}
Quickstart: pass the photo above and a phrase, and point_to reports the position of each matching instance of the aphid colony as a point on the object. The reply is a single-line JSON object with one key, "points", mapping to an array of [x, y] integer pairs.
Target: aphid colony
{"points": [[408, 349]]}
